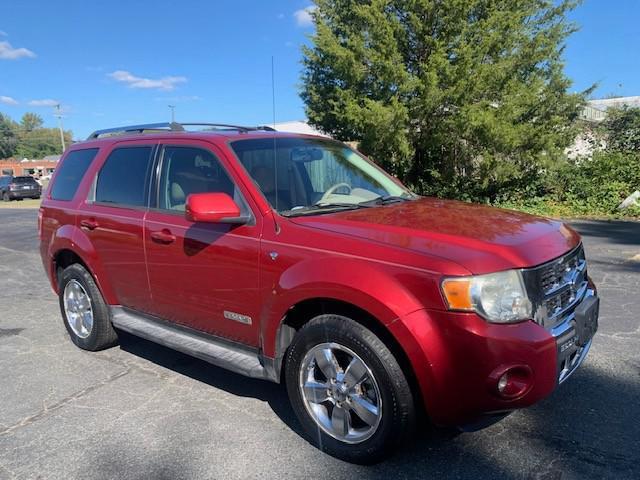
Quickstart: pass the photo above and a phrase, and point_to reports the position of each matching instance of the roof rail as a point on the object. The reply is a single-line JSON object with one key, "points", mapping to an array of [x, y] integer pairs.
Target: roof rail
{"points": [[226, 126], [173, 127], [136, 128]]}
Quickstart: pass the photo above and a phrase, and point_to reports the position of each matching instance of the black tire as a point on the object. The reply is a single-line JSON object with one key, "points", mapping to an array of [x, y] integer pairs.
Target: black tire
{"points": [[102, 334], [398, 409], [6, 197]]}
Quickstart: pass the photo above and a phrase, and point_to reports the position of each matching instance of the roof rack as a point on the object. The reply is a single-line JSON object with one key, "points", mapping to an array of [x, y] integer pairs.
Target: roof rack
{"points": [[173, 127]]}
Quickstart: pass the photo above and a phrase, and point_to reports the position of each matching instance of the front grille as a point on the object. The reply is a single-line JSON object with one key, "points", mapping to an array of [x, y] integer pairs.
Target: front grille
{"points": [[556, 287]]}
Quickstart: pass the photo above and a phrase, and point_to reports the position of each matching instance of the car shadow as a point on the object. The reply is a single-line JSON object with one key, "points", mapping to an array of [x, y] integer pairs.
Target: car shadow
{"points": [[275, 395], [588, 426]]}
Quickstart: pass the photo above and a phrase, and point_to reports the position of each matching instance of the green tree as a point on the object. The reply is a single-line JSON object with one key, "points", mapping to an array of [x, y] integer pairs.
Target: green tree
{"points": [[8, 139], [31, 121], [462, 98], [622, 129], [40, 142]]}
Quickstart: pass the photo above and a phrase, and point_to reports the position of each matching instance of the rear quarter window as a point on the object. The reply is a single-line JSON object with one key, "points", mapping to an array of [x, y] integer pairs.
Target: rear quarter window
{"points": [[70, 173]]}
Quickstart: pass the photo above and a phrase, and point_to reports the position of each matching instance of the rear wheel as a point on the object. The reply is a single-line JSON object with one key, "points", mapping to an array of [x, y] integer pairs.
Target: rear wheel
{"points": [[348, 390], [5, 197], [84, 311]]}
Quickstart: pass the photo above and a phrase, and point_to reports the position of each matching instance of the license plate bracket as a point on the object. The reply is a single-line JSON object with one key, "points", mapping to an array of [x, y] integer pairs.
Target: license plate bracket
{"points": [[586, 317]]}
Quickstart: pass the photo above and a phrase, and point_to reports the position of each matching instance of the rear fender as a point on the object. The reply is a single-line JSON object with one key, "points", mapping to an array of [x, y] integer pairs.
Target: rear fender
{"points": [[69, 237]]}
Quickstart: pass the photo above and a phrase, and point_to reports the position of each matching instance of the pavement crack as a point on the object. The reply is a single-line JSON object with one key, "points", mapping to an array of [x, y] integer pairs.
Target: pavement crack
{"points": [[48, 409]]}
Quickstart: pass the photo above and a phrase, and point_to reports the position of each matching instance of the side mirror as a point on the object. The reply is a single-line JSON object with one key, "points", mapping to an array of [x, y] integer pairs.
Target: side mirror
{"points": [[213, 208]]}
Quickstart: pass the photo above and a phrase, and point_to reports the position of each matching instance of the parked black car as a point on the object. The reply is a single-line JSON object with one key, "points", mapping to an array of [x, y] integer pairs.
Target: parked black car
{"points": [[17, 188]]}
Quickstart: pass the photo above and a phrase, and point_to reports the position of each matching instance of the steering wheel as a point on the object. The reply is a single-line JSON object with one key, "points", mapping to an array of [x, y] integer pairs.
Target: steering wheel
{"points": [[332, 189]]}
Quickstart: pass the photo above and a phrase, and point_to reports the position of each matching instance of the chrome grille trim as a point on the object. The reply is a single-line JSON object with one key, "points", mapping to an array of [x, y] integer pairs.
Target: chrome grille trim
{"points": [[557, 287]]}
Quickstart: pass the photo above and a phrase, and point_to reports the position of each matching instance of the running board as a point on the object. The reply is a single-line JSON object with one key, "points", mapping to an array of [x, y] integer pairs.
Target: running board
{"points": [[216, 351]]}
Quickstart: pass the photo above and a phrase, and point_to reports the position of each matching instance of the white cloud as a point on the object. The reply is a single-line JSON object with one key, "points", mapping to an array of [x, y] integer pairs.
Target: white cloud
{"points": [[8, 100], [181, 98], [3, 33], [303, 16], [164, 83], [7, 52], [46, 102]]}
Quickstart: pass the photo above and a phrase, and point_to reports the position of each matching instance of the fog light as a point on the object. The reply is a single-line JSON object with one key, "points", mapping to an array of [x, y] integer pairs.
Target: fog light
{"points": [[511, 382], [502, 383]]}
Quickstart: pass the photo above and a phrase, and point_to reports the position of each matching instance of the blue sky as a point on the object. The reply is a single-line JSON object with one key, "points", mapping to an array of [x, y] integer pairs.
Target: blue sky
{"points": [[124, 62]]}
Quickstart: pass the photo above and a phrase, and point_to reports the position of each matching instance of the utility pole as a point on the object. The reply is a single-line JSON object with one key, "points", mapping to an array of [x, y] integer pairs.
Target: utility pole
{"points": [[173, 113], [58, 114]]}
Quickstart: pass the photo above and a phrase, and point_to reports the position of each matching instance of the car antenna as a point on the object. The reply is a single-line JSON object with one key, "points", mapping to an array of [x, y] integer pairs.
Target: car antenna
{"points": [[275, 149]]}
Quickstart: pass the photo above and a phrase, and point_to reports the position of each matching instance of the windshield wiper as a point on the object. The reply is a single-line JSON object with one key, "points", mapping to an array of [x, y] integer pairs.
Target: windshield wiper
{"points": [[386, 199], [323, 208]]}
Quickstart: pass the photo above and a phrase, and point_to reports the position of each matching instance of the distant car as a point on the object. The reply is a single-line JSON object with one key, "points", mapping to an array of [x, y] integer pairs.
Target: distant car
{"points": [[293, 258], [17, 188]]}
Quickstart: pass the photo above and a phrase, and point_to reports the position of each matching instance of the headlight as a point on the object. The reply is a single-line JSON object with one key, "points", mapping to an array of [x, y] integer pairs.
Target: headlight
{"points": [[498, 297]]}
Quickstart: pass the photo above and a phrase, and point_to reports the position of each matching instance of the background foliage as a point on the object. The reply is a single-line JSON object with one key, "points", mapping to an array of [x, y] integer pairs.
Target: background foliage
{"points": [[28, 138], [466, 99], [460, 98]]}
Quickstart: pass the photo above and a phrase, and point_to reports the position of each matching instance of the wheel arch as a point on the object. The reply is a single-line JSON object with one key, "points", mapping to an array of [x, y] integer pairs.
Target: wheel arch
{"points": [[305, 310], [70, 245]]}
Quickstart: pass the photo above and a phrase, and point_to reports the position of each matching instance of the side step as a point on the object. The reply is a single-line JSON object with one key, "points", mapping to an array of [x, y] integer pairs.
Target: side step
{"points": [[208, 348]]}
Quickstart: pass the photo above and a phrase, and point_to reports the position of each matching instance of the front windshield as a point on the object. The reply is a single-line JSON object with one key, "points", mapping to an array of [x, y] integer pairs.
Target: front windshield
{"points": [[305, 175]]}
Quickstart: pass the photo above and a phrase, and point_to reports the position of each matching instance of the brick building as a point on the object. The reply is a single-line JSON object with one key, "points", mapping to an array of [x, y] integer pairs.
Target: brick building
{"points": [[36, 168]]}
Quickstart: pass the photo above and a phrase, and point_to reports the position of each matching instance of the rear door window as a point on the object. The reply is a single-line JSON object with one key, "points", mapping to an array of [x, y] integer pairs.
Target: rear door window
{"points": [[124, 177], [70, 173]]}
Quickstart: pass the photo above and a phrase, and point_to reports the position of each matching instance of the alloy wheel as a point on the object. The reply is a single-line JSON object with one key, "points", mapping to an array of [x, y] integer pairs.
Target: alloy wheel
{"points": [[78, 309], [340, 393]]}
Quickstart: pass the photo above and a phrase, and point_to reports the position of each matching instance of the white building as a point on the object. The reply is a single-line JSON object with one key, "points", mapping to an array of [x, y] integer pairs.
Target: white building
{"points": [[297, 126], [596, 110]]}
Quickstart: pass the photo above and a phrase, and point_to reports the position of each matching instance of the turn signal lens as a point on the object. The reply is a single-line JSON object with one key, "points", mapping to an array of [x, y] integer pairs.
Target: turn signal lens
{"points": [[457, 292], [498, 297]]}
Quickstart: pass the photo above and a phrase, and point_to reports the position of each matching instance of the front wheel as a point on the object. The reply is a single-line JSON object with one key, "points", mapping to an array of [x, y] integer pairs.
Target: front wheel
{"points": [[348, 390], [6, 197]]}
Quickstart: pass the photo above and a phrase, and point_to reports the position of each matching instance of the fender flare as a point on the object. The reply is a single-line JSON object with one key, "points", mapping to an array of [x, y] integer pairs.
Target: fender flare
{"points": [[69, 237], [351, 281]]}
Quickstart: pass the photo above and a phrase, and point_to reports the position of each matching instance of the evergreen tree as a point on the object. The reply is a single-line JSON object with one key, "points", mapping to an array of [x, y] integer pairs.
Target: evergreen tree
{"points": [[463, 98], [8, 140]]}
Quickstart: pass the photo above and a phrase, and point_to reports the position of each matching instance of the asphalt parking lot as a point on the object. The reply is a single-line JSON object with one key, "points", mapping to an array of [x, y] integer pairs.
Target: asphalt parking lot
{"points": [[142, 411]]}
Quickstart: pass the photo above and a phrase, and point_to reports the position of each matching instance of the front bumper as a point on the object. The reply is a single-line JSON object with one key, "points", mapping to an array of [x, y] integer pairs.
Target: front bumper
{"points": [[457, 358]]}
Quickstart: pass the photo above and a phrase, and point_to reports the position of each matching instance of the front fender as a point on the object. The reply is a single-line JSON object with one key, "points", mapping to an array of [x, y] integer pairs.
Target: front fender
{"points": [[372, 287]]}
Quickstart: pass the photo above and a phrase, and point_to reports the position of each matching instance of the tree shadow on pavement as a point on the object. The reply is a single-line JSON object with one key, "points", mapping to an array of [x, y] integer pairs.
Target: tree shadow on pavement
{"points": [[615, 231]]}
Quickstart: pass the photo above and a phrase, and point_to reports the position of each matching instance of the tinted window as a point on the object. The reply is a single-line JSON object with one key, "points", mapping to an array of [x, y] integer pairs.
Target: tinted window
{"points": [[24, 180], [70, 173], [187, 170], [123, 177]]}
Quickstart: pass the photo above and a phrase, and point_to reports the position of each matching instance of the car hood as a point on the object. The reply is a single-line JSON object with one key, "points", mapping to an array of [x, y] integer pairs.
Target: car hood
{"points": [[480, 238]]}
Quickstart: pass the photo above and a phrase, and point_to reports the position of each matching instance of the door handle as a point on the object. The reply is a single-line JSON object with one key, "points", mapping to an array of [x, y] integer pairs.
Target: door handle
{"points": [[89, 224], [163, 236]]}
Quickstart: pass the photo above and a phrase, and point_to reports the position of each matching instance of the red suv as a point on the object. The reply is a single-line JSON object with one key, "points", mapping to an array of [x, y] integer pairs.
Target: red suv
{"points": [[293, 258]]}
